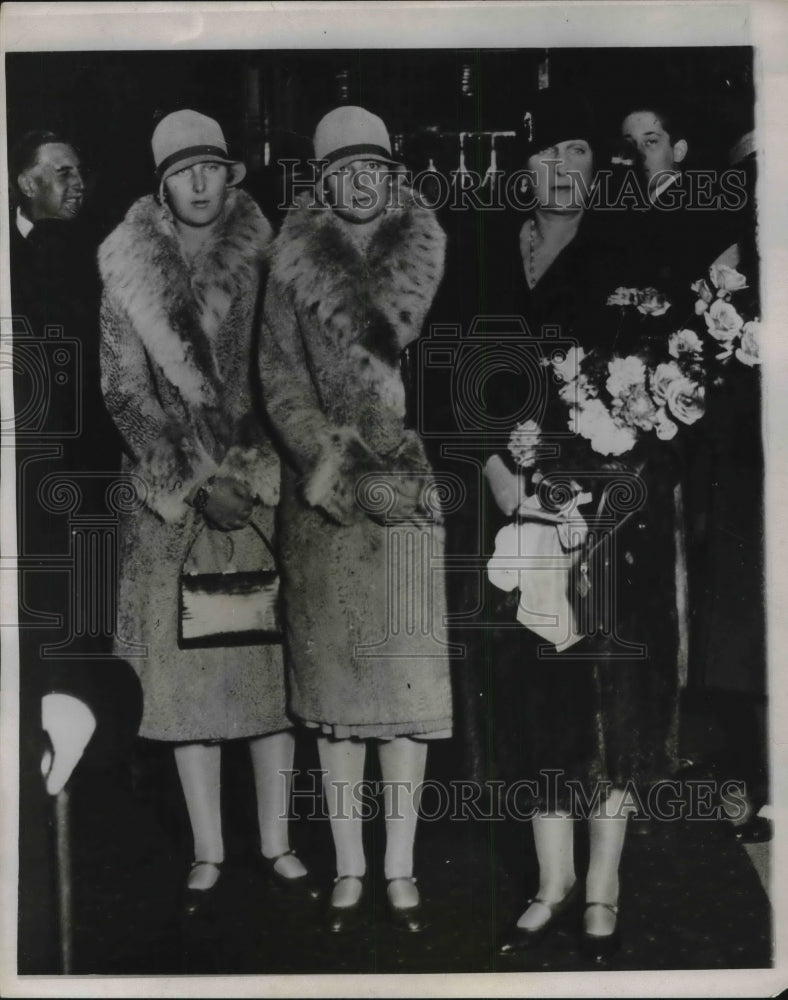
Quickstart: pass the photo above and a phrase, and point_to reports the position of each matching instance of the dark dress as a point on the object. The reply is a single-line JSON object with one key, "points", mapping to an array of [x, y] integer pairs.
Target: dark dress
{"points": [[599, 717]]}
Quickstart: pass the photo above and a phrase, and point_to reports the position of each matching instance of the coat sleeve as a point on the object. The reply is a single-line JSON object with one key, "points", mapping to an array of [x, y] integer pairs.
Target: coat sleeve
{"points": [[169, 459], [253, 460], [329, 457]]}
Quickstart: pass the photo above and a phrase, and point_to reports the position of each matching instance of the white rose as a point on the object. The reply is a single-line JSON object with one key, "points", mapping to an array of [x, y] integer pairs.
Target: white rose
{"points": [[727, 279], [524, 442], [666, 429], [624, 374], [661, 378], [703, 291], [684, 342], [723, 321], [624, 297], [686, 400], [606, 436], [749, 349], [653, 302]]}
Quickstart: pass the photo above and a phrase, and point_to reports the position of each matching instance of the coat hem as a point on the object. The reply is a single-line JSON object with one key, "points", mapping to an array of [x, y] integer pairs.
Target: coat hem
{"points": [[245, 734], [433, 729]]}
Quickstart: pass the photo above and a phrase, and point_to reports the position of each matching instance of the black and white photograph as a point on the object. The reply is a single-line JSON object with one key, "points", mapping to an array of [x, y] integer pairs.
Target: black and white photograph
{"points": [[392, 446]]}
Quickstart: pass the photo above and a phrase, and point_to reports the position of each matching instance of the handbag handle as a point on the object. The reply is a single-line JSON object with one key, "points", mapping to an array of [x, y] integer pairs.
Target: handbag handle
{"points": [[228, 535]]}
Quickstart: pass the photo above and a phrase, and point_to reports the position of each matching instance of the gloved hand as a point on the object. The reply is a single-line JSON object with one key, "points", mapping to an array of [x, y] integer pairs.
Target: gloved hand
{"points": [[69, 724], [508, 488], [230, 504]]}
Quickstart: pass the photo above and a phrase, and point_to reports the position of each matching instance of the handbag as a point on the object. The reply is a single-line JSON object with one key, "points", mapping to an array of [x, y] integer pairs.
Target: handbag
{"points": [[537, 553], [220, 605]]}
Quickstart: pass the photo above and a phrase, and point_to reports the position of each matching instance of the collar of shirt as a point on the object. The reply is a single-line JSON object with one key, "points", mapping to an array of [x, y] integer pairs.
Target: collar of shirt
{"points": [[23, 224], [663, 184]]}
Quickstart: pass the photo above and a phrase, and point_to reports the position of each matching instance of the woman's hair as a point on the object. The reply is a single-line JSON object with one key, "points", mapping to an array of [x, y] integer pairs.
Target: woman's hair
{"points": [[667, 113]]}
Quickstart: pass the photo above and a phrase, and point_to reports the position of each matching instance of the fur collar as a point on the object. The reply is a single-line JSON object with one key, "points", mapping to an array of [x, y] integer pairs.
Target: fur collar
{"points": [[177, 307], [386, 289]]}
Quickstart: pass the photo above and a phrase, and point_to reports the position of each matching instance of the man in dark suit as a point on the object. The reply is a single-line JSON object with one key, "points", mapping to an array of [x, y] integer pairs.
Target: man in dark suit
{"points": [[73, 695], [683, 227]]}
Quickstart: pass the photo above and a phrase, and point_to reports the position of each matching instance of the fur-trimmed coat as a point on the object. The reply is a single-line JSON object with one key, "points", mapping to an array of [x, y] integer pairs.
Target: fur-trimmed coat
{"points": [[176, 372], [365, 601]]}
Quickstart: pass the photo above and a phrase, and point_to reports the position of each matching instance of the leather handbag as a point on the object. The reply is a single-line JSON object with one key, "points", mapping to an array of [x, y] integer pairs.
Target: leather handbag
{"points": [[221, 605]]}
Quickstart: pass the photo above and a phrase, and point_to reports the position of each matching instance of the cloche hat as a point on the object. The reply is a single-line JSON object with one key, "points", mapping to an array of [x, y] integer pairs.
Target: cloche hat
{"points": [[556, 115], [351, 133], [186, 137]]}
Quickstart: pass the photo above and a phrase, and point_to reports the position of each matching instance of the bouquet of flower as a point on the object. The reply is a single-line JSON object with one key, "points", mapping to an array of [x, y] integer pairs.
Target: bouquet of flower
{"points": [[615, 398], [618, 403]]}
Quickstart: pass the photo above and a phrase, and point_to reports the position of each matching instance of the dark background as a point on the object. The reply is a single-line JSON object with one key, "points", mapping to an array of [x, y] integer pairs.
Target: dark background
{"points": [[131, 837], [109, 102]]}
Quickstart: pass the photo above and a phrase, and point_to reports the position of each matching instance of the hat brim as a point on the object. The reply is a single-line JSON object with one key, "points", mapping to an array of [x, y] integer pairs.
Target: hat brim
{"points": [[345, 161], [236, 173]]}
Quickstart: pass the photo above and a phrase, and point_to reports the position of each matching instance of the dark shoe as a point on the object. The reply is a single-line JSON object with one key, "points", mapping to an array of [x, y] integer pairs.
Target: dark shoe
{"points": [[303, 886], [757, 830], [520, 939], [346, 919], [599, 948], [405, 918], [197, 901]]}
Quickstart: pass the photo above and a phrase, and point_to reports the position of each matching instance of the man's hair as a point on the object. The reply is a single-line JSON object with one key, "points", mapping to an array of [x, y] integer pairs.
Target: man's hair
{"points": [[23, 156], [667, 113]]}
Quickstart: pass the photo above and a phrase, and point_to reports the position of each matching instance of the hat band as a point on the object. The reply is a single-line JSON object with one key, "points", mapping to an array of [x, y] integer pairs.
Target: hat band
{"points": [[189, 151], [362, 149]]}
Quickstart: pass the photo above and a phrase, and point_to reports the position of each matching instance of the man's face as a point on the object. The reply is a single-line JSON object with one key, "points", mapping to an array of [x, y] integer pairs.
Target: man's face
{"points": [[657, 155], [54, 185]]}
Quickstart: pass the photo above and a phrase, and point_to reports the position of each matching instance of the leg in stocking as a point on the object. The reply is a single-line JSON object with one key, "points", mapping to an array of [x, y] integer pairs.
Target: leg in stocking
{"points": [[606, 843], [272, 763], [554, 842], [199, 770], [402, 764], [343, 763]]}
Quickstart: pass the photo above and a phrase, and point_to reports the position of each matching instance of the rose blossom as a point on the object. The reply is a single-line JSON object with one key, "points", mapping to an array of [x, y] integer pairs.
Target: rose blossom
{"points": [[684, 342], [523, 443], [624, 297], [727, 279], [666, 429], [749, 349], [705, 296], [724, 322], [635, 409], [685, 400], [653, 302], [701, 287], [594, 423], [624, 374], [661, 378]]}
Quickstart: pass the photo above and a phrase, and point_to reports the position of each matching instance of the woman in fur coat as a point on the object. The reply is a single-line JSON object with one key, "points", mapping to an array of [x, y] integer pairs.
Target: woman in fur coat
{"points": [[181, 276], [353, 273]]}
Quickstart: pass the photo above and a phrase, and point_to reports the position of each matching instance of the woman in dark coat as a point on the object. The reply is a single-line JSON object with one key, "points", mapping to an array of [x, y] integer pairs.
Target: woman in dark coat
{"points": [[181, 276], [353, 272], [601, 714]]}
